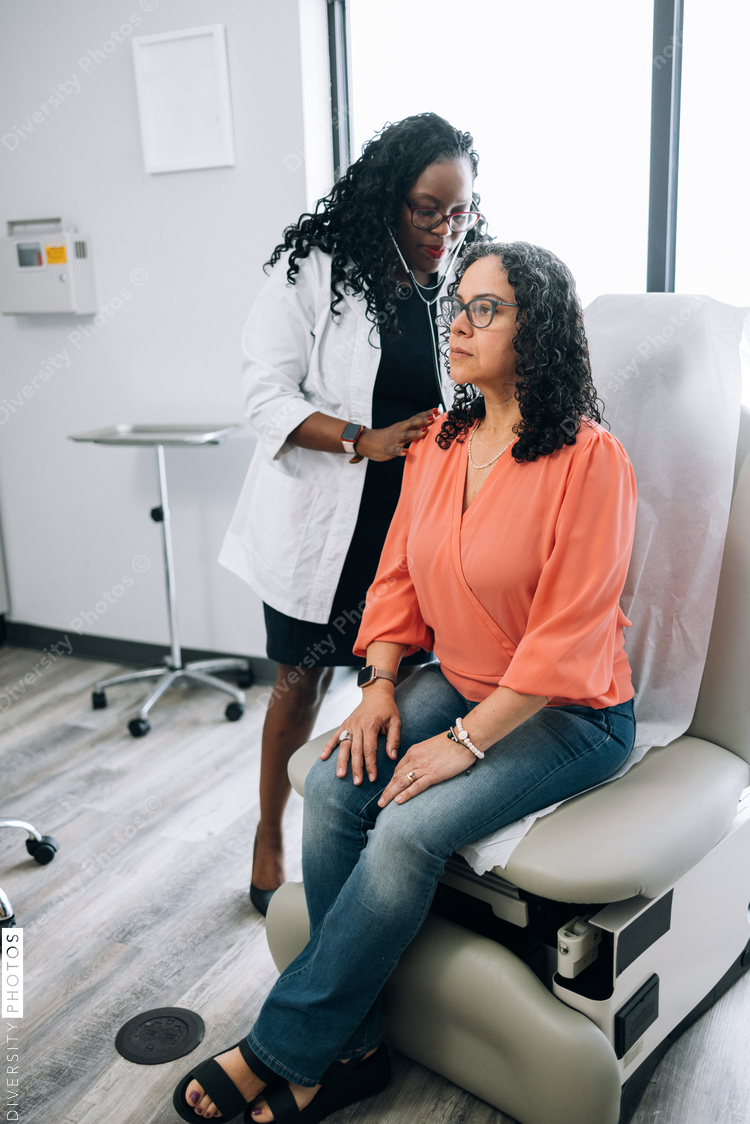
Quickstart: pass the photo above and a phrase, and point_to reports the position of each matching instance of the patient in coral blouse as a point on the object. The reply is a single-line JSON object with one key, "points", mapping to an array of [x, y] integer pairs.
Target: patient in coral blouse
{"points": [[510, 545], [511, 571], [506, 556]]}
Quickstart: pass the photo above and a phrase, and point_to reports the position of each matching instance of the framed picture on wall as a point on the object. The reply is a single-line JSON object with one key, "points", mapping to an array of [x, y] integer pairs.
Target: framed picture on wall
{"points": [[184, 102]]}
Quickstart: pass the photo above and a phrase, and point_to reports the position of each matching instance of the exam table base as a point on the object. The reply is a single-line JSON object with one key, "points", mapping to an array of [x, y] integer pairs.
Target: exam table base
{"points": [[522, 1038]]}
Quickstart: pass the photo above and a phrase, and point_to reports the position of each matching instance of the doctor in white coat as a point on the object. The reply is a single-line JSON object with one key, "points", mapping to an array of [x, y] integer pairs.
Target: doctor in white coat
{"points": [[341, 372]]}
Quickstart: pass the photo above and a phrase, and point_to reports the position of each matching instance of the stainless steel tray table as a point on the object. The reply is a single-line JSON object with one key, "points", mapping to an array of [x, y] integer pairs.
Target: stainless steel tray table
{"points": [[157, 437], [125, 434]]}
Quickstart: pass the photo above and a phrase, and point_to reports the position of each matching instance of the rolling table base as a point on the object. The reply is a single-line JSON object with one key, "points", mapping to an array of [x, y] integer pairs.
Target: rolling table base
{"points": [[198, 672], [42, 849], [169, 677]]}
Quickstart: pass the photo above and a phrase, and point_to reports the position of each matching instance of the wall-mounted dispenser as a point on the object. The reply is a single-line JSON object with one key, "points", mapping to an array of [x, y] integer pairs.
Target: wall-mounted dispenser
{"points": [[46, 266]]}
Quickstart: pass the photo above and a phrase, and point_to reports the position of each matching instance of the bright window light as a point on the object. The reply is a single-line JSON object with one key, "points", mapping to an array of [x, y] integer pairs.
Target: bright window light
{"points": [[713, 208], [558, 99]]}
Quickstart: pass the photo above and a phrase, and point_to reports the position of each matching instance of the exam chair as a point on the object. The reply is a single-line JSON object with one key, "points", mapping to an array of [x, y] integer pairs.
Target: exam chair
{"points": [[552, 987]]}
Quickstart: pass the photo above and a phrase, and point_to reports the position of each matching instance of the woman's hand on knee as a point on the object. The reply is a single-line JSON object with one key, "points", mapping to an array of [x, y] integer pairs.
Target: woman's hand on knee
{"points": [[424, 764], [376, 714]]}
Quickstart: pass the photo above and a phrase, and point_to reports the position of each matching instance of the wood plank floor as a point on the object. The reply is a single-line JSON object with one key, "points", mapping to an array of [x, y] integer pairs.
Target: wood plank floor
{"points": [[146, 906]]}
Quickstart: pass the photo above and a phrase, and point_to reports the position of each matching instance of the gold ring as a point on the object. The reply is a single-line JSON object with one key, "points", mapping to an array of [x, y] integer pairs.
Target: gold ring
{"points": [[411, 777]]}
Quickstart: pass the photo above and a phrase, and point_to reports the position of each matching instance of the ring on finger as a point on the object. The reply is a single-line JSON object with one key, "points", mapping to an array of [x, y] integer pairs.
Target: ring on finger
{"points": [[410, 777], [345, 736]]}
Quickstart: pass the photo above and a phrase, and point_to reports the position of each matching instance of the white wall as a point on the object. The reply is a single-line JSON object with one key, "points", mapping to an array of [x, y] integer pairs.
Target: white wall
{"points": [[75, 516]]}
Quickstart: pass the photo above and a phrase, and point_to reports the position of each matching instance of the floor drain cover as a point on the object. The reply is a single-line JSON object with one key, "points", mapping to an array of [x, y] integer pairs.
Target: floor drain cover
{"points": [[159, 1036]]}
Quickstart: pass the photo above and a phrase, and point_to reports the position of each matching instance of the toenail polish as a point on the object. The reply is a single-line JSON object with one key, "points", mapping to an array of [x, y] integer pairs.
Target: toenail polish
{"points": [[193, 1098]]}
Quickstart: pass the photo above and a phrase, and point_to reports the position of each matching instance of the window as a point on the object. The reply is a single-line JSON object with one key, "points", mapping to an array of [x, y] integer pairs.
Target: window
{"points": [[558, 98], [713, 212]]}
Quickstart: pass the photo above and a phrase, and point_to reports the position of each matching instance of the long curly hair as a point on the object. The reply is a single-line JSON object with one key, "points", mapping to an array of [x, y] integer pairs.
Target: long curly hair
{"points": [[554, 388], [352, 222]]}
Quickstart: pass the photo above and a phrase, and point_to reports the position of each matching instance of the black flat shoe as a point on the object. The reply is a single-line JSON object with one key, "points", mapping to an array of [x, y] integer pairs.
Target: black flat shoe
{"points": [[260, 898], [343, 1083], [218, 1085]]}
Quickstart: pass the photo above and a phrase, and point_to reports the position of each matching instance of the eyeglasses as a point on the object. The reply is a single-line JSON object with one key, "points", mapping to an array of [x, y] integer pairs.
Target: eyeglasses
{"points": [[480, 311], [427, 218]]}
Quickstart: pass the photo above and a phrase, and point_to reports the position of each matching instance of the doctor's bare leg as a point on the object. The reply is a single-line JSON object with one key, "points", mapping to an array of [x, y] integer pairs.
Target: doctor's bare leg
{"points": [[291, 714]]}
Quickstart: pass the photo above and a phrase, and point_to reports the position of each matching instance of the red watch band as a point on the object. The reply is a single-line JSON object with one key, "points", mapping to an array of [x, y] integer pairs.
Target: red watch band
{"points": [[354, 434]]}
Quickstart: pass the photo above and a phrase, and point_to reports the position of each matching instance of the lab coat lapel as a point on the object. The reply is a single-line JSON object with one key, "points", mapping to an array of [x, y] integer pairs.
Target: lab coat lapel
{"points": [[365, 360]]}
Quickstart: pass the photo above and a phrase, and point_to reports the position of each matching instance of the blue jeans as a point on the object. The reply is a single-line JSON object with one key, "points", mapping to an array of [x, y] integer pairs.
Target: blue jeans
{"points": [[370, 873]]}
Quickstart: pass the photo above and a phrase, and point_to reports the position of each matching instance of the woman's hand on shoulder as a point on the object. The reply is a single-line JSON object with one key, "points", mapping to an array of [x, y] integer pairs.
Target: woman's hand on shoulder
{"points": [[376, 714], [385, 444]]}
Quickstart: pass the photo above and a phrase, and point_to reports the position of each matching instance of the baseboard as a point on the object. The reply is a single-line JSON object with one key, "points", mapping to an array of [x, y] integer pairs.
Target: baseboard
{"points": [[132, 653]]}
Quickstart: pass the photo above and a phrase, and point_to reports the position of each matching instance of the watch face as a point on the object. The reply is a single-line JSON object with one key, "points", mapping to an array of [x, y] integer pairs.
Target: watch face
{"points": [[365, 676], [350, 431]]}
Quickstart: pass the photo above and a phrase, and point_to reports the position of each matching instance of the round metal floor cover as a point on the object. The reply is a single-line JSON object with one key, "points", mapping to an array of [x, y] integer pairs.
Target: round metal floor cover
{"points": [[159, 1036]]}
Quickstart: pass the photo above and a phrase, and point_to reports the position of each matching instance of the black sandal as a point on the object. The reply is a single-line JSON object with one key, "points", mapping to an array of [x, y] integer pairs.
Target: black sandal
{"points": [[218, 1085], [343, 1083]]}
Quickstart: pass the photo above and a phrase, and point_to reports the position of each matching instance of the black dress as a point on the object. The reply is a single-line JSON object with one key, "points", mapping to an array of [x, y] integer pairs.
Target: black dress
{"points": [[405, 385]]}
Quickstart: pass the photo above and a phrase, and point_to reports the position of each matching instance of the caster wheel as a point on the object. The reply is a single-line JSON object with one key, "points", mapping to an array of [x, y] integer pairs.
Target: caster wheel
{"points": [[234, 711], [42, 850], [139, 727], [98, 700], [245, 679]]}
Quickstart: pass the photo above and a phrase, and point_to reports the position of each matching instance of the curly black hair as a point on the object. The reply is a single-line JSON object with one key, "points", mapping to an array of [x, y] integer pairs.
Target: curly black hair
{"points": [[352, 222], [554, 388]]}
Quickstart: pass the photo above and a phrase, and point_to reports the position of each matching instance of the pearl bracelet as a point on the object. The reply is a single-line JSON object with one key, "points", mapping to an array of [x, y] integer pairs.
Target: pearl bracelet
{"points": [[460, 735], [456, 737]]}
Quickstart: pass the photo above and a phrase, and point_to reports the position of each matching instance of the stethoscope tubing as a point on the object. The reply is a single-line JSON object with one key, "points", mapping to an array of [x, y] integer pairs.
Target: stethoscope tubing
{"points": [[428, 305]]}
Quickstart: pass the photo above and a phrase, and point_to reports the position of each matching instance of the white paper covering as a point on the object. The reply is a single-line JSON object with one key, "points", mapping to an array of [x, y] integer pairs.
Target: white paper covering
{"points": [[667, 368]]}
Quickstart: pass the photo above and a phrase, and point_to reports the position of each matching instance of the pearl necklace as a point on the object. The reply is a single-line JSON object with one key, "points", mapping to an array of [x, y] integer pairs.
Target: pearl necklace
{"points": [[497, 458]]}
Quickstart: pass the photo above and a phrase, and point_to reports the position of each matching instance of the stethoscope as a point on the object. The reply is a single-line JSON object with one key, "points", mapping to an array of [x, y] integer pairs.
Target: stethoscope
{"points": [[428, 303]]}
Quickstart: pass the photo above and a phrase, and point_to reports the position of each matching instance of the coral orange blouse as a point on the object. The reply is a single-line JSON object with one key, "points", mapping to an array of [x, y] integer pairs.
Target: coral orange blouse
{"points": [[522, 589]]}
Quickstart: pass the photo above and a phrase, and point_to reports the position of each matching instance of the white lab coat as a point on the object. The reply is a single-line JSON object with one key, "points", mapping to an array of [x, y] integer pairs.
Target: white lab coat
{"points": [[297, 511]]}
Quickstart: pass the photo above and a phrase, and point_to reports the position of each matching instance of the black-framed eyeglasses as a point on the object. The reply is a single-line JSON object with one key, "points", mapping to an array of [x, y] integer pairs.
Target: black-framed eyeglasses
{"points": [[427, 218], [480, 311]]}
